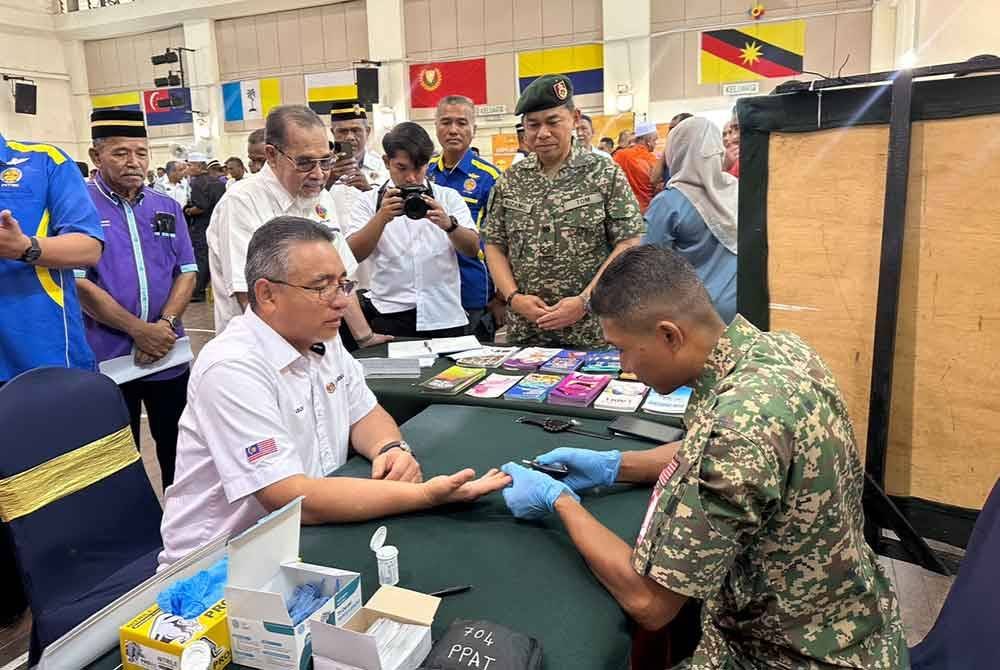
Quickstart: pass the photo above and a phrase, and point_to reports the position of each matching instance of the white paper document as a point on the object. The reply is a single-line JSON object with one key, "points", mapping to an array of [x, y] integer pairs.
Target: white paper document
{"points": [[425, 348], [124, 369]]}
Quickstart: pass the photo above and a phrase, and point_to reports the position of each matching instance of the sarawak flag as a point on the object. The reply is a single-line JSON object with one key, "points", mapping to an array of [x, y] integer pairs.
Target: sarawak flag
{"points": [[760, 51], [429, 82]]}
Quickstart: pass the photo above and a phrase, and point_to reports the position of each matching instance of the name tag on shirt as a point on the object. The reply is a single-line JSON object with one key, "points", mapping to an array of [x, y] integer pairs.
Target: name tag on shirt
{"points": [[517, 206], [592, 199]]}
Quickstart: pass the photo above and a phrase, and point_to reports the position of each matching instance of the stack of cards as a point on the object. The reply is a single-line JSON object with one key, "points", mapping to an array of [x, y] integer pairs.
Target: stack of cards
{"points": [[621, 396], [453, 381], [493, 386], [534, 387], [530, 358], [602, 362], [675, 403], [564, 362], [486, 357], [578, 389]]}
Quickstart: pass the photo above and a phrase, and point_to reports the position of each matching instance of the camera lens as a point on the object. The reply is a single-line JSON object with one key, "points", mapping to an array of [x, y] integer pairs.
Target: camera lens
{"points": [[414, 206]]}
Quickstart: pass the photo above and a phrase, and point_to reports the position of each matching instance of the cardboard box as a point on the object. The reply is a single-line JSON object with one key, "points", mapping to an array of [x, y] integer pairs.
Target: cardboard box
{"points": [[263, 572], [349, 646], [155, 640]]}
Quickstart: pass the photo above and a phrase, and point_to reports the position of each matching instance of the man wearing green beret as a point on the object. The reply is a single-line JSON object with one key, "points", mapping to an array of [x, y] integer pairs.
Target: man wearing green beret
{"points": [[554, 221]]}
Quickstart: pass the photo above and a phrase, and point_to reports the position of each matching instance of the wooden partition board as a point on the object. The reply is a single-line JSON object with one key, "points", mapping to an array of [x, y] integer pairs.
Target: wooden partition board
{"points": [[825, 201]]}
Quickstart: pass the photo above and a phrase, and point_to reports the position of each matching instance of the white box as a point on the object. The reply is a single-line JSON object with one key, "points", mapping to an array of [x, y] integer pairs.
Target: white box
{"points": [[348, 647], [264, 569]]}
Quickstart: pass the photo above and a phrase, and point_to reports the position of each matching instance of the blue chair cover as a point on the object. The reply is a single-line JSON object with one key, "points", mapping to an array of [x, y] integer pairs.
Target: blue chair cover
{"points": [[963, 635], [79, 553]]}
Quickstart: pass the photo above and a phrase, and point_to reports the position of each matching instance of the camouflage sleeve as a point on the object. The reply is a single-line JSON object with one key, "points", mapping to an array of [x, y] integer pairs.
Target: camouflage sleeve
{"points": [[699, 528], [622, 220], [494, 230]]}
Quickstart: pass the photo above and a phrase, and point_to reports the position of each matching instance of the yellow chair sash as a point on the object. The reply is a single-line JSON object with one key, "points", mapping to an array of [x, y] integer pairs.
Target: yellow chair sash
{"points": [[26, 492]]}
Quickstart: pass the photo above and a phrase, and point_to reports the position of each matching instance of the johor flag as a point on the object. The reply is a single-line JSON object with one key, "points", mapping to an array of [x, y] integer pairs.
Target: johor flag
{"points": [[180, 112], [252, 99], [759, 51], [429, 82]]}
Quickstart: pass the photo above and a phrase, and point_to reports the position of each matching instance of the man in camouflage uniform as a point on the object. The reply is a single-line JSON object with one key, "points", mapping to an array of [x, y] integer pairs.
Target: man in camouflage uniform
{"points": [[757, 512], [553, 221]]}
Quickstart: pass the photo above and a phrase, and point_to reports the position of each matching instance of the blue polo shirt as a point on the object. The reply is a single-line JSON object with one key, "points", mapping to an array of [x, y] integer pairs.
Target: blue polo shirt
{"points": [[40, 321], [473, 178]]}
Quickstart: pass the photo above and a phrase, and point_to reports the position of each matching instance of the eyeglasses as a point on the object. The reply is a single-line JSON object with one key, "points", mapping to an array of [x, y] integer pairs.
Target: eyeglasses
{"points": [[306, 165], [327, 292]]}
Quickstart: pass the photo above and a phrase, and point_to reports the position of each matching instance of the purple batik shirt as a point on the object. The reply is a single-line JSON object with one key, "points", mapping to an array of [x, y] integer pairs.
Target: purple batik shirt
{"points": [[146, 247]]}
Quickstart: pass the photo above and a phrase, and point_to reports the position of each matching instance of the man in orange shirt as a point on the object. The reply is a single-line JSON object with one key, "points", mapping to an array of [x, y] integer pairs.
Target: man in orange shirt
{"points": [[637, 162]]}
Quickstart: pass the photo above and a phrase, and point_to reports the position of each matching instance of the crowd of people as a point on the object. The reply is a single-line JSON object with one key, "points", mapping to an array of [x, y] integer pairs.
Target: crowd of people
{"points": [[323, 246]]}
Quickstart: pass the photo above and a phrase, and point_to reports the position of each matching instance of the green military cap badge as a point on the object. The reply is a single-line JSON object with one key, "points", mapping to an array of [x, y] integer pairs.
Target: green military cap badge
{"points": [[551, 90]]}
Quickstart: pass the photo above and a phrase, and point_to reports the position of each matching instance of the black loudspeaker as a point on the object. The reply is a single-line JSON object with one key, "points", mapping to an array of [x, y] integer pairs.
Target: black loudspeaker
{"points": [[25, 98], [367, 85]]}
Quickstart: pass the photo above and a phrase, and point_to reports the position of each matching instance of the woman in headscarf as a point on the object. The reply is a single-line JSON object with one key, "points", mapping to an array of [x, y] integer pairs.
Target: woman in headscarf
{"points": [[695, 214]]}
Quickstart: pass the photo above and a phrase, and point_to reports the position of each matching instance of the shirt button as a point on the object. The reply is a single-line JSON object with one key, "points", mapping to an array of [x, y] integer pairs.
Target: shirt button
{"points": [[546, 229]]}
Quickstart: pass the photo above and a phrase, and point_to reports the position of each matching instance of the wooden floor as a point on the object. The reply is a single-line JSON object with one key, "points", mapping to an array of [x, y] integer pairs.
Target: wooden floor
{"points": [[921, 593]]}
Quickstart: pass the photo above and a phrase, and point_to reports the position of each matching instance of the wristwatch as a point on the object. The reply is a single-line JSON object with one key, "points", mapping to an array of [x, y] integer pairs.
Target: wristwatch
{"points": [[172, 319], [33, 252], [511, 297], [401, 444], [454, 224]]}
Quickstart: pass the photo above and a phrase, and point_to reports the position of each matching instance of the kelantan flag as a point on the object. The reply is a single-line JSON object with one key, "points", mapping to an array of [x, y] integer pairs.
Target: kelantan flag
{"points": [[429, 82]]}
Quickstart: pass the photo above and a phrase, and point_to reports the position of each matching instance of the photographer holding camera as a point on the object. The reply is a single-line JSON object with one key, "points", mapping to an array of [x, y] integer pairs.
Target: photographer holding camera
{"points": [[411, 229]]}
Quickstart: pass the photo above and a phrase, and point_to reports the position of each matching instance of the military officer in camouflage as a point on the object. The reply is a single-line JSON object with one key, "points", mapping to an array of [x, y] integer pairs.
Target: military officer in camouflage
{"points": [[553, 221], [757, 512]]}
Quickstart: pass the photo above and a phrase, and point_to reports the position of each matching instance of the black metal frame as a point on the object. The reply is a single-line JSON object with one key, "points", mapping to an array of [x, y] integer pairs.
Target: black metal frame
{"points": [[879, 98]]}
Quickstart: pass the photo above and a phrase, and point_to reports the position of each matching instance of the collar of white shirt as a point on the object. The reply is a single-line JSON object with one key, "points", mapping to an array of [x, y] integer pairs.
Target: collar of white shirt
{"points": [[275, 349], [269, 180]]}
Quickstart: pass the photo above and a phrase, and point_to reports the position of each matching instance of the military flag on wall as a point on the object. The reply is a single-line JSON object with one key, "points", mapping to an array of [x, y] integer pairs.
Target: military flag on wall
{"points": [[760, 51], [429, 82], [130, 101], [157, 115], [251, 99], [323, 90], [584, 65]]}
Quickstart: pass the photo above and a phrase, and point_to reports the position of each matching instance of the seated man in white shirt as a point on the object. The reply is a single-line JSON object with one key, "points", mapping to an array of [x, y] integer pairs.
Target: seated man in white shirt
{"points": [[275, 401], [291, 183], [415, 286]]}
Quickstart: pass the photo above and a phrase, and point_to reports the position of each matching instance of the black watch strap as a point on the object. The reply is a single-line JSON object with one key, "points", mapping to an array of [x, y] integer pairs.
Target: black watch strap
{"points": [[33, 252], [453, 227], [395, 445], [511, 297]]}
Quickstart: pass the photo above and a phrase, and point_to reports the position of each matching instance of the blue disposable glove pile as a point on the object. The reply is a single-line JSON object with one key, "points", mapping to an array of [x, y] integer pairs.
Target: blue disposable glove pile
{"points": [[533, 494], [587, 468], [306, 599], [188, 598]]}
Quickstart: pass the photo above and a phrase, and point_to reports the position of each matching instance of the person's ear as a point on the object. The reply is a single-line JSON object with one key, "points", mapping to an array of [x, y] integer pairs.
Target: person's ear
{"points": [[95, 157], [669, 333], [263, 291], [271, 153]]}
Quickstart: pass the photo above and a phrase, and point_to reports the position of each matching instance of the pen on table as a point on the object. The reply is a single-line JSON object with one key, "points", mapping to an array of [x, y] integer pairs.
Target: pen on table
{"points": [[451, 590]]}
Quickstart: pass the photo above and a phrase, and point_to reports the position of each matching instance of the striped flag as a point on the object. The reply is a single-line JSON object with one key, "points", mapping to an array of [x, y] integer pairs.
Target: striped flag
{"points": [[257, 451], [131, 101], [323, 90], [253, 99], [584, 65], [760, 51]]}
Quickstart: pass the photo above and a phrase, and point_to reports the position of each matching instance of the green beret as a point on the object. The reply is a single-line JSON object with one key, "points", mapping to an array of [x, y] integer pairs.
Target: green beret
{"points": [[546, 92]]}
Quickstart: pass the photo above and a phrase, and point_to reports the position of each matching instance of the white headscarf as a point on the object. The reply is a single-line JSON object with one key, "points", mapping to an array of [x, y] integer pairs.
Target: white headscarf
{"points": [[694, 154]]}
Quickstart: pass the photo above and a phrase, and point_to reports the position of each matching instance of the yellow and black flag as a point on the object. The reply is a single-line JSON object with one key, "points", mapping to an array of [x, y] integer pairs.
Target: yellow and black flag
{"points": [[761, 51]]}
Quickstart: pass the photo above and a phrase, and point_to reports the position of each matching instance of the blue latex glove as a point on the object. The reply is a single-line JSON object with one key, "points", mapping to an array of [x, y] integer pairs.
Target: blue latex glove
{"points": [[533, 493], [587, 468], [188, 598]]}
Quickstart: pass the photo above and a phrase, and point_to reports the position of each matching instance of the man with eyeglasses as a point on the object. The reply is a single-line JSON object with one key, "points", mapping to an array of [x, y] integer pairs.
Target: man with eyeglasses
{"points": [[291, 183], [276, 401]]}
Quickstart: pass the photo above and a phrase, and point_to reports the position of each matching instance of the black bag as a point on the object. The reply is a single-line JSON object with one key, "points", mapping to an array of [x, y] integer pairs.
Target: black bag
{"points": [[483, 645]]}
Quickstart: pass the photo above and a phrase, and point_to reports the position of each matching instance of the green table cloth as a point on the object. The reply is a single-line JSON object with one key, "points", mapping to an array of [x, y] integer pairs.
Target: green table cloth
{"points": [[527, 576], [403, 399]]}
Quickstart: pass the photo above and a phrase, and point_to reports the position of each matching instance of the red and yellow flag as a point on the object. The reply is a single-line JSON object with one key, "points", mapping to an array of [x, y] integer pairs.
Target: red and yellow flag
{"points": [[760, 51]]}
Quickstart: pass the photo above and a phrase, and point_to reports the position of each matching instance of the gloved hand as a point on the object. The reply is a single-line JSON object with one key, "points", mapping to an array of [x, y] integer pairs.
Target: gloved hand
{"points": [[587, 468], [533, 494]]}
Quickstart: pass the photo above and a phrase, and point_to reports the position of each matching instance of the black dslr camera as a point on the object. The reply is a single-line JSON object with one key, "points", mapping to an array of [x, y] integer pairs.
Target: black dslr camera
{"points": [[414, 206]]}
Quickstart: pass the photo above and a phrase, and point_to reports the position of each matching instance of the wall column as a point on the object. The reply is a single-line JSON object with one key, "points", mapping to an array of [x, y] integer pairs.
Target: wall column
{"points": [[387, 43], [202, 73], [79, 85], [626, 53]]}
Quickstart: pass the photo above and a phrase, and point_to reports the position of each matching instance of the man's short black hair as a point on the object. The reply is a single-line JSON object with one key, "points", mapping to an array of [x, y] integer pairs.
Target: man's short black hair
{"points": [[648, 283], [411, 139], [679, 117], [590, 122], [267, 253]]}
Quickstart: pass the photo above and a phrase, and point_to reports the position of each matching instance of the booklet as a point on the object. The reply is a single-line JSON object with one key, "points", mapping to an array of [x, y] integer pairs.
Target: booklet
{"points": [[578, 389], [607, 361], [674, 403], [534, 387], [453, 381], [424, 348], [124, 368], [493, 386], [530, 358], [621, 396], [564, 362], [484, 357]]}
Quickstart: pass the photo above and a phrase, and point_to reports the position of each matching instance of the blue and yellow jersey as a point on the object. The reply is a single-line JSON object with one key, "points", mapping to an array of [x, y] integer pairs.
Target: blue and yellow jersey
{"points": [[40, 321], [473, 178]]}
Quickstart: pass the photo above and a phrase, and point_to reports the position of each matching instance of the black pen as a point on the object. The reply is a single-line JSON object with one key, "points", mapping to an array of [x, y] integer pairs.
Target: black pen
{"points": [[451, 590]]}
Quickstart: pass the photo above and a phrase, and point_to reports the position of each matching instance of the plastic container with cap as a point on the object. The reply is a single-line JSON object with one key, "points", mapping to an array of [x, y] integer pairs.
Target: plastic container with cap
{"points": [[388, 558], [197, 656]]}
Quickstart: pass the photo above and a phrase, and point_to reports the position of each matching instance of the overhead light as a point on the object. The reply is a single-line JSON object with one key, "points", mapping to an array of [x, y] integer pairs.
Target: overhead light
{"points": [[170, 80], [168, 56], [908, 59]]}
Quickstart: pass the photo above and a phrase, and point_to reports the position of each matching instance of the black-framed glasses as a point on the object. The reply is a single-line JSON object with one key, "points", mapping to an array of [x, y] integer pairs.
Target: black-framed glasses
{"points": [[306, 165], [327, 292]]}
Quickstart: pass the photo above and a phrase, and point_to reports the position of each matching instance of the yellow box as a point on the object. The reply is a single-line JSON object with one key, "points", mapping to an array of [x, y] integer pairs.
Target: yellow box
{"points": [[155, 640]]}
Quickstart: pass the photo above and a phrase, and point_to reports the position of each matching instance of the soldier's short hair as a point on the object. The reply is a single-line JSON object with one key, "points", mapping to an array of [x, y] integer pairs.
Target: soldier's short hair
{"points": [[648, 283]]}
